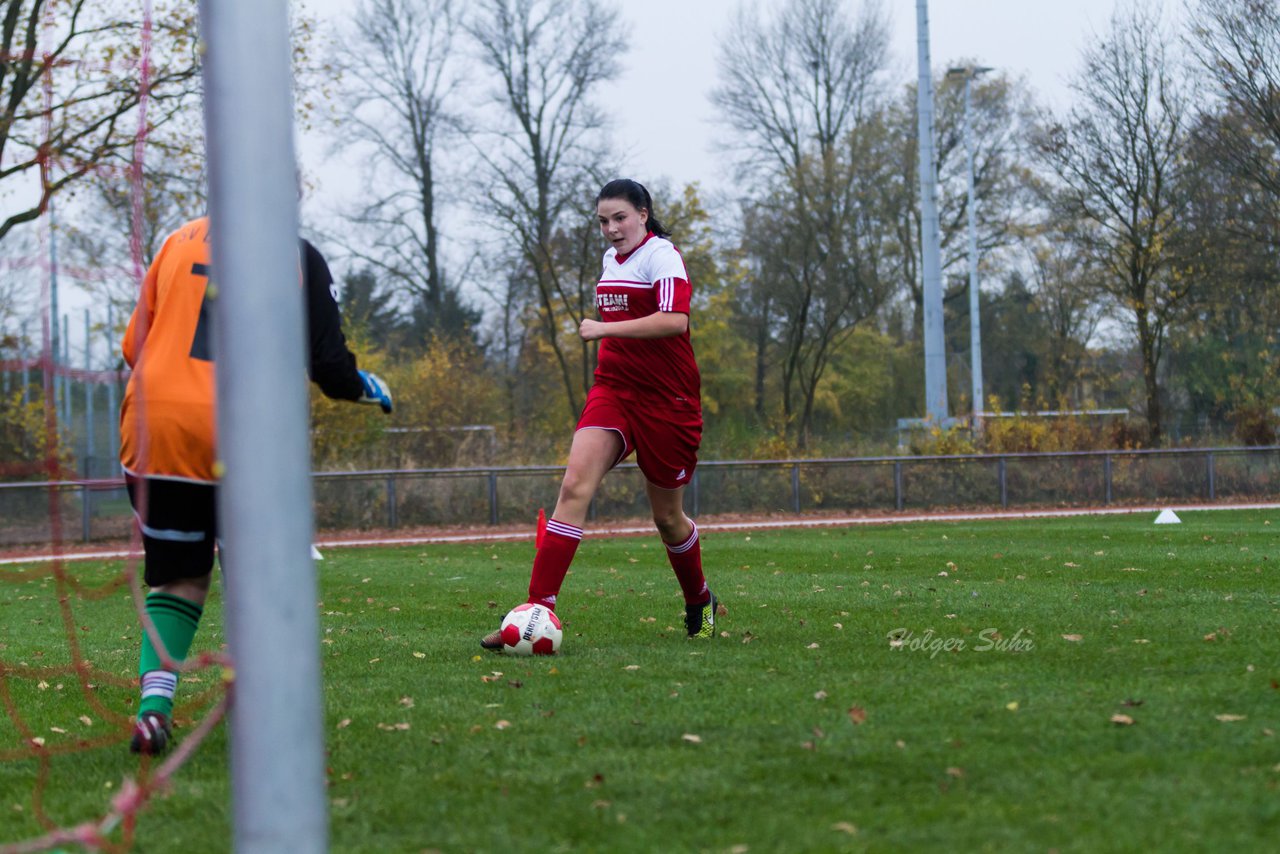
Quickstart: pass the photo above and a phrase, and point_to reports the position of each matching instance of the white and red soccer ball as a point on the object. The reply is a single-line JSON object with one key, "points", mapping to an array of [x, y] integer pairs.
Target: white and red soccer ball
{"points": [[531, 629]]}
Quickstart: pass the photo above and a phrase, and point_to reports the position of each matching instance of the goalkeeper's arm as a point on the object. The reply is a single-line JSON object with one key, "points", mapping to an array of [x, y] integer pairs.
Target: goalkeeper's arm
{"points": [[331, 365]]}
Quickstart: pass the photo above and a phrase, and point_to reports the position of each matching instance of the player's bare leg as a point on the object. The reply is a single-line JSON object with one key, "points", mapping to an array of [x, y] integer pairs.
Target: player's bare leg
{"points": [[591, 456], [684, 551], [593, 453]]}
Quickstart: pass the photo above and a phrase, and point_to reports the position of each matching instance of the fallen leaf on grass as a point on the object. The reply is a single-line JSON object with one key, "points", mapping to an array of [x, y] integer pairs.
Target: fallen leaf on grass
{"points": [[632, 667], [502, 724], [845, 827], [820, 695], [1073, 638], [1122, 720], [691, 738], [1012, 705], [419, 655], [344, 723], [953, 771], [812, 646], [400, 727], [1226, 719], [407, 702], [857, 715], [59, 730], [86, 720]]}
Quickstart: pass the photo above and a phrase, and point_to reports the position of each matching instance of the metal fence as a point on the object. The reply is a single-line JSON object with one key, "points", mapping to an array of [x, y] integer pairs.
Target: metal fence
{"points": [[91, 510]]}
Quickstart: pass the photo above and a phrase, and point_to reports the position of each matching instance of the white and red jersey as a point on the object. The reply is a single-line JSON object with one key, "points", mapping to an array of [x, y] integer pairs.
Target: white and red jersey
{"points": [[649, 279]]}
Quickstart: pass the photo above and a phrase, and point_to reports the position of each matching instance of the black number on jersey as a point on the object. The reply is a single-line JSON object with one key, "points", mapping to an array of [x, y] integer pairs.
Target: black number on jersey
{"points": [[202, 341]]}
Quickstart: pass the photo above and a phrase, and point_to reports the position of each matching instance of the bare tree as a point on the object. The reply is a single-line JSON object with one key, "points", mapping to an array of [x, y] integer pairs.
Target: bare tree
{"points": [[98, 248], [544, 155], [70, 83], [1065, 283], [804, 93], [398, 87], [1238, 43], [1117, 157]]}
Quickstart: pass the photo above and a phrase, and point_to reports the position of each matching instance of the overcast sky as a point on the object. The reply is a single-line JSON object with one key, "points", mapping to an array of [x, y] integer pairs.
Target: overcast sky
{"points": [[674, 50]]}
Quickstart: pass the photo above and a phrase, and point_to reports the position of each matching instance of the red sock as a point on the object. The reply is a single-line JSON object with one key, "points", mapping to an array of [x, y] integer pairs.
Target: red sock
{"points": [[686, 560], [555, 553]]}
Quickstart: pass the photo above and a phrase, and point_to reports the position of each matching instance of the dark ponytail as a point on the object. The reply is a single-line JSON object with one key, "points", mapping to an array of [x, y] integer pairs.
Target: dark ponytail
{"points": [[635, 193]]}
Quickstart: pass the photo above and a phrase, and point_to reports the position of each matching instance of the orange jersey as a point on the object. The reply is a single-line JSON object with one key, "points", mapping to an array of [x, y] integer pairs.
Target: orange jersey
{"points": [[167, 418]]}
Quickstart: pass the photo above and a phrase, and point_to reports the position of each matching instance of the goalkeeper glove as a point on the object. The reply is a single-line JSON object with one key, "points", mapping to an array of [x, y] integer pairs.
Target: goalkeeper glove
{"points": [[375, 390]]}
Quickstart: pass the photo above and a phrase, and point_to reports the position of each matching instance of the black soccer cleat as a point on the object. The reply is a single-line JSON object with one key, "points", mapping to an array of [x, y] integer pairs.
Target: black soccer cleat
{"points": [[700, 620], [152, 733], [493, 640]]}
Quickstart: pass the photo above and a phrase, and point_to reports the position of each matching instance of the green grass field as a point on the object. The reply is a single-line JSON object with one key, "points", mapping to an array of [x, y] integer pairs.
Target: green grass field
{"points": [[1086, 684]]}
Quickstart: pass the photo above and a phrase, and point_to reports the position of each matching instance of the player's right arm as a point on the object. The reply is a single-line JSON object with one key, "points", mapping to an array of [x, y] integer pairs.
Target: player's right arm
{"points": [[660, 324], [143, 313]]}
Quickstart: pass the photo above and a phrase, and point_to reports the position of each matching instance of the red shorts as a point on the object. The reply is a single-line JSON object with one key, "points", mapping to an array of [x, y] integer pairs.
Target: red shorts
{"points": [[665, 438]]}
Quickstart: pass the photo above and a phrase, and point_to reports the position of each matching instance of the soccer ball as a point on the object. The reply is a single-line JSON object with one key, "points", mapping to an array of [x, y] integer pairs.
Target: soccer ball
{"points": [[531, 630]]}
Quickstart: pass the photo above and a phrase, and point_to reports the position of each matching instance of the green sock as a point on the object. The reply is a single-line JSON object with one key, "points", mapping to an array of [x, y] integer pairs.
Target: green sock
{"points": [[176, 620]]}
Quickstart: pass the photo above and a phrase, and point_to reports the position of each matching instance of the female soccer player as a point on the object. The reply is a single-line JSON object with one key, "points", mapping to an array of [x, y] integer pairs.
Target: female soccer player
{"points": [[645, 398]]}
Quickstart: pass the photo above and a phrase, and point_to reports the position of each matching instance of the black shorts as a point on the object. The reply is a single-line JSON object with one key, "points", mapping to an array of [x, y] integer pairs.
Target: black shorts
{"points": [[180, 528]]}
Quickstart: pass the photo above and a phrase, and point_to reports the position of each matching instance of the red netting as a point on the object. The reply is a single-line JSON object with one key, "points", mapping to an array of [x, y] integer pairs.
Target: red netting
{"points": [[69, 594]]}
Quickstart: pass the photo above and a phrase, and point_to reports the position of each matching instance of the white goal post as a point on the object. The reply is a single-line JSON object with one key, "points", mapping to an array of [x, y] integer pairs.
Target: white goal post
{"points": [[264, 501]]}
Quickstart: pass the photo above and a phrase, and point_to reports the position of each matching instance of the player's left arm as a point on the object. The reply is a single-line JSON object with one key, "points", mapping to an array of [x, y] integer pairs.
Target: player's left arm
{"points": [[331, 365]]}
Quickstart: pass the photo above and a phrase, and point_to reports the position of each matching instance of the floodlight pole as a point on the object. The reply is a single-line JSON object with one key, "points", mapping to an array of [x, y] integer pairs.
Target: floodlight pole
{"points": [[88, 397], [113, 414], [264, 499], [975, 321], [935, 343], [55, 342]]}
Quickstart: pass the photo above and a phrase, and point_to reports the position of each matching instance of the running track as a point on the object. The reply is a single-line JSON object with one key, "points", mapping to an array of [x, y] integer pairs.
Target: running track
{"points": [[509, 535]]}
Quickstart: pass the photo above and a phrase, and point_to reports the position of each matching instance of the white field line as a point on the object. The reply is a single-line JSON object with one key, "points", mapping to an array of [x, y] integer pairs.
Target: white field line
{"points": [[759, 525]]}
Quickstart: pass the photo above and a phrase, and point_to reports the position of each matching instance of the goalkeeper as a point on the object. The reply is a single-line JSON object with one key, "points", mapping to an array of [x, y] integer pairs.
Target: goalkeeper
{"points": [[167, 443]]}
